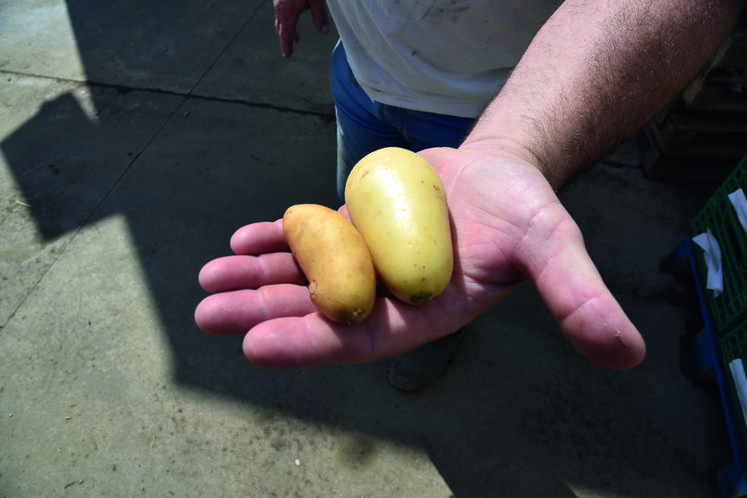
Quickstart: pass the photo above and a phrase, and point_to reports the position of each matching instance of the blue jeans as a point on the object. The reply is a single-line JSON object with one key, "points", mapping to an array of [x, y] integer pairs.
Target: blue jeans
{"points": [[365, 125]]}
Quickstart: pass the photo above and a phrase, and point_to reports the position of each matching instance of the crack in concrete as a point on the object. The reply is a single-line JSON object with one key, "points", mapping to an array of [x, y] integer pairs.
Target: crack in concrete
{"points": [[125, 89]]}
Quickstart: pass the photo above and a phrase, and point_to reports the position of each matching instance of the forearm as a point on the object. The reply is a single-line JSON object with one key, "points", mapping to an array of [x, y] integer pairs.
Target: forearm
{"points": [[594, 74]]}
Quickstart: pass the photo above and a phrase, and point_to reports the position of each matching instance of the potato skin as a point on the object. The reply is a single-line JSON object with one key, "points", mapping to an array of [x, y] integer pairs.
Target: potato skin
{"points": [[335, 259], [397, 201]]}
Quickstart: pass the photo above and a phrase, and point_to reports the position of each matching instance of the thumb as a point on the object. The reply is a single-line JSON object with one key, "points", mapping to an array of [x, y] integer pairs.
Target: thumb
{"points": [[319, 15], [571, 287]]}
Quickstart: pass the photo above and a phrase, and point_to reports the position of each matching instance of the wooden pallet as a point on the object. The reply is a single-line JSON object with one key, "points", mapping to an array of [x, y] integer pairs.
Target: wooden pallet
{"points": [[703, 133], [722, 85], [690, 145]]}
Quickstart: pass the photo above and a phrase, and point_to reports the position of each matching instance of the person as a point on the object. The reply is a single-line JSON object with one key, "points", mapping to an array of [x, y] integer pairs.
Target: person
{"points": [[593, 73], [454, 64], [429, 102]]}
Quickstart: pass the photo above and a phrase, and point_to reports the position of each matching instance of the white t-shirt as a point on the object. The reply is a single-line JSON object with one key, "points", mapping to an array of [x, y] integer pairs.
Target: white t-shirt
{"points": [[443, 56]]}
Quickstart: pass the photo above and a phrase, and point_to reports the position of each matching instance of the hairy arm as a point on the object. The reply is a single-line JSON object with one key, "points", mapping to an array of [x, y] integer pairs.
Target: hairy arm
{"points": [[595, 73]]}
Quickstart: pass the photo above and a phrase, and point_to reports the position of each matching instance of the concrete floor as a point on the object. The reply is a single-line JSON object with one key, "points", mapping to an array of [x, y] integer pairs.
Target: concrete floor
{"points": [[135, 137]]}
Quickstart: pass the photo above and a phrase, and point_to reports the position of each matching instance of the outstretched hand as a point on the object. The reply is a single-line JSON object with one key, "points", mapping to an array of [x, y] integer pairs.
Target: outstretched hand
{"points": [[508, 228]]}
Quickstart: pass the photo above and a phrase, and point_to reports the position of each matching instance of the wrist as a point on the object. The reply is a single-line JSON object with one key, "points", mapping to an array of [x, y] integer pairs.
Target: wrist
{"points": [[515, 148]]}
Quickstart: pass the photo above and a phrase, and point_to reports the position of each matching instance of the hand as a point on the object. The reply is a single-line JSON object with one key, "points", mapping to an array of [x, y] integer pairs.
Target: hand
{"points": [[509, 227], [287, 13]]}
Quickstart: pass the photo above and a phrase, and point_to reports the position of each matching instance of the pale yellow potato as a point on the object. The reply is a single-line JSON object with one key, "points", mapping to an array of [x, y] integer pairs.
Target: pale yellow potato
{"points": [[396, 200], [335, 259]]}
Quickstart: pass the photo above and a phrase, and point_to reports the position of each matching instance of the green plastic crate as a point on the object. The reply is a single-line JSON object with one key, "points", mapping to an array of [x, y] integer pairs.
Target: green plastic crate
{"points": [[733, 345], [730, 308]]}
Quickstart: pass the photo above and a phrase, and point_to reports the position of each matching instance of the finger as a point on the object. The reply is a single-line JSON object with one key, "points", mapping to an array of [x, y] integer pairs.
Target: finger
{"points": [[308, 341], [259, 238], [285, 26], [575, 294], [319, 15], [250, 272], [392, 328], [238, 311]]}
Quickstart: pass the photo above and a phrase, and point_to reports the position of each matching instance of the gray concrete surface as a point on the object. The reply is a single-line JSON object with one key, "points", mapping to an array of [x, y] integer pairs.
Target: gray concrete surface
{"points": [[135, 137]]}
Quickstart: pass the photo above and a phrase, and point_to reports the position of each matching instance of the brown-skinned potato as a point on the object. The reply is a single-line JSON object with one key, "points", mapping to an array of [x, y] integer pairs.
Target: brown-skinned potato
{"points": [[335, 259]]}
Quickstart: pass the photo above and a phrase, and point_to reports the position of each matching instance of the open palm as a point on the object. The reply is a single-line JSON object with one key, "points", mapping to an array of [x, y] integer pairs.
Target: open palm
{"points": [[508, 228]]}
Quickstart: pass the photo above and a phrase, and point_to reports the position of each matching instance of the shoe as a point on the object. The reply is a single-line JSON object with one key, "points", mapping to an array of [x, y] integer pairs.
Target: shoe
{"points": [[421, 366]]}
